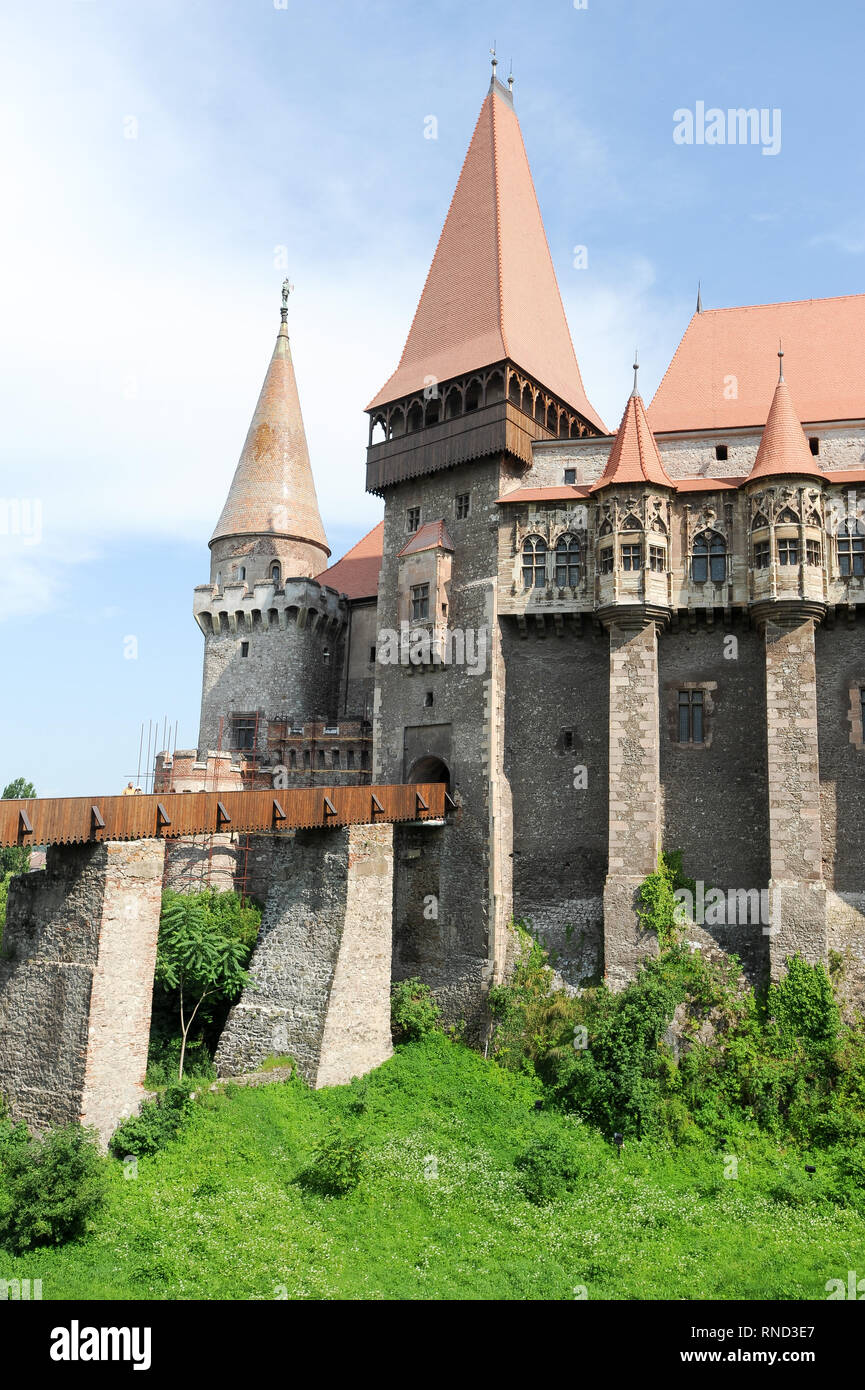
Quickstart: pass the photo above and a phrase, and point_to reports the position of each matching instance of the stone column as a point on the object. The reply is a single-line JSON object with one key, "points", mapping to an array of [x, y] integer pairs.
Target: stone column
{"points": [[76, 983], [635, 799], [322, 967], [797, 893]]}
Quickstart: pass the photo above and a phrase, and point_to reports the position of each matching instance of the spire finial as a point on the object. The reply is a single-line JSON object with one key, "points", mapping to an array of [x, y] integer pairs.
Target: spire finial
{"points": [[494, 61], [287, 289], [635, 392], [699, 298], [511, 78], [780, 361]]}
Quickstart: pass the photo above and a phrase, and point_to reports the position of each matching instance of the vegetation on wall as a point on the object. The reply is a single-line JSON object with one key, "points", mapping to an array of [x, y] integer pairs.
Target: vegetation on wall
{"points": [[205, 942]]}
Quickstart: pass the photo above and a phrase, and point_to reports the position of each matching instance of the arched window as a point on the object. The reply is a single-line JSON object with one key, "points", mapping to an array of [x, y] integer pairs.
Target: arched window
{"points": [[275, 572], [241, 571], [534, 563], [415, 416], [567, 562], [218, 579], [709, 558], [851, 548]]}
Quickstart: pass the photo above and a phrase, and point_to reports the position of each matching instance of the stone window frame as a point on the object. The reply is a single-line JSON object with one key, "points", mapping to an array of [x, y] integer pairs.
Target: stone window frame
{"points": [[419, 598], [462, 505], [412, 515], [672, 690], [856, 695]]}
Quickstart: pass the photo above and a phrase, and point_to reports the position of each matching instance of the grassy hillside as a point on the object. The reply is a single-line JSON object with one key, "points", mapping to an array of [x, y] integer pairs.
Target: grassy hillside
{"points": [[220, 1213]]}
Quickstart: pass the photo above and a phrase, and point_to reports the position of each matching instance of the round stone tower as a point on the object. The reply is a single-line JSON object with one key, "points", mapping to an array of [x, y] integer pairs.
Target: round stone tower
{"points": [[273, 635]]}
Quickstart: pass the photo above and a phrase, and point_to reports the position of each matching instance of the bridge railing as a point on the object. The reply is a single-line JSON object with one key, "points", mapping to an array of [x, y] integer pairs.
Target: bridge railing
{"points": [[168, 815]]}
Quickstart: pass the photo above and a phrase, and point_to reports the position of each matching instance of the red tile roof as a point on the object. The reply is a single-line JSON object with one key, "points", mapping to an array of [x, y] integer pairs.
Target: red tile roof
{"points": [[491, 292], [722, 374], [356, 574], [272, 492], [634, 457], [783, 448], [707, 484], [564, 493], [427, 537]]}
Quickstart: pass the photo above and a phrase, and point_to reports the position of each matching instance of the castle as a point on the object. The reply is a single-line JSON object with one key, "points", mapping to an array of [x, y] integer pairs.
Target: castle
{"points": [[605, 644]]}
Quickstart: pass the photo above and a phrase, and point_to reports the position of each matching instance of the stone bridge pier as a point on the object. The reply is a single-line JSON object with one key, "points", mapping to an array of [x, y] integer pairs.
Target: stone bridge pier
{"points": [[79, 952], [76, 983], [321, 970]]}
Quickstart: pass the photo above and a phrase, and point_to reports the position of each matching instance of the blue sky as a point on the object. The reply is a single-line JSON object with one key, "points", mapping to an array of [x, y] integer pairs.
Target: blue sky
{"points": [[156, 159]]}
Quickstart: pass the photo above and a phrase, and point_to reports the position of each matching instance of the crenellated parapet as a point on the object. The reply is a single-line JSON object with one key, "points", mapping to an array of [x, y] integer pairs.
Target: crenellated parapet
{"points": [[238, 609]]}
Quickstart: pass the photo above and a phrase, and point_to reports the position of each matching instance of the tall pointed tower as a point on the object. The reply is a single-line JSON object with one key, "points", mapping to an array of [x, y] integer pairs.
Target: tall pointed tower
{"points": [[272, 632], [488, 367]]}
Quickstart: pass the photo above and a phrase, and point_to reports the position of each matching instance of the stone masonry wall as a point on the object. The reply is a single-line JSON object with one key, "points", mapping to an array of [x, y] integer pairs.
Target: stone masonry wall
{"points": [[321, 969], [796, 854], [76, 982], [556, 752]]}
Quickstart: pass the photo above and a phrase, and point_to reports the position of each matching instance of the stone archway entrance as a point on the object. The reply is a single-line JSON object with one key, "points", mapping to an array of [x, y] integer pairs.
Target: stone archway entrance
{"points": [[430, 769]]}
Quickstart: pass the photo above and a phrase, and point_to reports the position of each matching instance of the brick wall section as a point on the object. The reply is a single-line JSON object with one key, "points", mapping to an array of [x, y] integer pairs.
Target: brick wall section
{"points": [[795, 844], [76, 981], [321, 969], [634, 806]]}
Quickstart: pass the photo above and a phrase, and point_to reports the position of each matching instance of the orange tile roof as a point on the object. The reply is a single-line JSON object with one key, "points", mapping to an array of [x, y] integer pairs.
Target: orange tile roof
{"points": [[273, 492], [564, 493], [356, 574], [634, 457], [707, 484], [427, 537], [722, 374], [491, 292], [783, 447]]}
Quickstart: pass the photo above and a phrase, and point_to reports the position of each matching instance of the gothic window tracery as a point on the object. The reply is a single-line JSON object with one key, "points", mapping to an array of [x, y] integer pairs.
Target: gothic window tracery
{"points": [[567, 562], [534, 562], [709, 558]]}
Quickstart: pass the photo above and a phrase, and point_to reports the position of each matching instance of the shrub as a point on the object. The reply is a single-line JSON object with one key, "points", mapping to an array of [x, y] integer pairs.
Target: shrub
{"points": [[550, 1165], [50, 1186], [337, 1165], [803, 1003], [657, 894], [155, 1125], [413, 1011]]}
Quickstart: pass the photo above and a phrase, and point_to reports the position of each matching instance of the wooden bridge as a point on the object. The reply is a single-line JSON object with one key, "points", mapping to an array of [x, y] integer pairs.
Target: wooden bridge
{"points": [[169, 815]]}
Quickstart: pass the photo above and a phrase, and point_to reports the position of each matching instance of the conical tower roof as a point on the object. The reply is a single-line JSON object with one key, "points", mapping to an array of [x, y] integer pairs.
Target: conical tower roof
{"points": [[491, 292], [783, 448], [634, 457], [272, 492]]}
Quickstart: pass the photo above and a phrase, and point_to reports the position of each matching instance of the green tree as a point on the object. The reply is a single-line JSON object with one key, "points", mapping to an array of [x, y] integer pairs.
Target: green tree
{"points": [[15, 859], [199, 958]]}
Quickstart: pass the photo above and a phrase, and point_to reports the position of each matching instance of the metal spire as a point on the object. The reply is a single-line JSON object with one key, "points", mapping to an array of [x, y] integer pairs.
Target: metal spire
{"points": [[287, 289], [699, 299], [635, 392], [511, 78], [495, 62], [780, 361]]}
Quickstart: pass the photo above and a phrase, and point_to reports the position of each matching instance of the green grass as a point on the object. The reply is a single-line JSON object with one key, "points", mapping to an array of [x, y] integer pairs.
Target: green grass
{"points": [[219, 1214]]}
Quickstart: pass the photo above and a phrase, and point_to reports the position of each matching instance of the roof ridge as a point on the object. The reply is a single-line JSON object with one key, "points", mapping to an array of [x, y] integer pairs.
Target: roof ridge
{"points": [[498, 225], [781, 303]]}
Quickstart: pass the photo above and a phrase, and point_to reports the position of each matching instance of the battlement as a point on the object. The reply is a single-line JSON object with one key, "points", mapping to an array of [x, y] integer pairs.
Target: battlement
{"points": [[238, 608]]}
